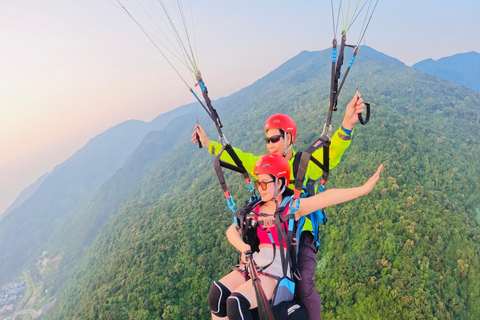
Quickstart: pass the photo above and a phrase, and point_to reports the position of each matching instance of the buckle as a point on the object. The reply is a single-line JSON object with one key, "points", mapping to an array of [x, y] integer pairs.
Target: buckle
{"points": [[268, 222], [294, 241], [297, 275]]}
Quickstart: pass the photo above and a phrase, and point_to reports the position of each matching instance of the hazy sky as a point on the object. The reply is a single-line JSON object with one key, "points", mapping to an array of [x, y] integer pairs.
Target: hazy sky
{"points": [[69, 70]]}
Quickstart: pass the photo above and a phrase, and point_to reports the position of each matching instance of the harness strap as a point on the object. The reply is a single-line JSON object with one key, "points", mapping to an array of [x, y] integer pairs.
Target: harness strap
{"points": [[285, 251], [240, 219], [209, 108], [306, 157], [238, 167], [245, 221], [360, 118], [336, 76]]}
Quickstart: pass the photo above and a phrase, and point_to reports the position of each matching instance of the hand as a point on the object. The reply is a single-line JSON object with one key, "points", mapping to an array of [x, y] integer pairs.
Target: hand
{"points": [[354, 107], [202, 135], [368, 186], [244, 256]]}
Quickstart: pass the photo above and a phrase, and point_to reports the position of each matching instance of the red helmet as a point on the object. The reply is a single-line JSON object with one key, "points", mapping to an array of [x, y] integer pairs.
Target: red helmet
{"points": [[273, 164], [282, 121]]}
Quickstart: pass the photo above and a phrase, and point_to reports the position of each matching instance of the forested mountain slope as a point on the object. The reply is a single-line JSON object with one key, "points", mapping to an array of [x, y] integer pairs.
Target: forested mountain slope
{"points": [[408, 250], [43, 208]]}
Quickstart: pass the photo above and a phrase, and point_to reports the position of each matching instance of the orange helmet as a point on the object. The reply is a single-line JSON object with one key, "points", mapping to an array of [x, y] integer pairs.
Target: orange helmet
{"points": [[283, 122], [275, 165]]}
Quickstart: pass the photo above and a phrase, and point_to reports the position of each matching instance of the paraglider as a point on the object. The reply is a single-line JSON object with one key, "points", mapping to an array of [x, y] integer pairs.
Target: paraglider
{"points": [[273, 225], [177, 46]]}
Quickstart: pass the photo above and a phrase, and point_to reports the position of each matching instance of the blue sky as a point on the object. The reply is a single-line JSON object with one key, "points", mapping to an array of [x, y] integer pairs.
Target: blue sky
{"points": [[72, 69]]}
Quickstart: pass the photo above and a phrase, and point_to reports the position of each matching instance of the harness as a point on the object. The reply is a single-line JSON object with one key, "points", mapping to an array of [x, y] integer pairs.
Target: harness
{"points": [[311, 188], [217, 163], [302, 159], [282, 221]]}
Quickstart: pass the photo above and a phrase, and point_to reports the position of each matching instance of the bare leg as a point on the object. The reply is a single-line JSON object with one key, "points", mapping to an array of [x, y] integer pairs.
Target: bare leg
{"points": [[248, 290]]}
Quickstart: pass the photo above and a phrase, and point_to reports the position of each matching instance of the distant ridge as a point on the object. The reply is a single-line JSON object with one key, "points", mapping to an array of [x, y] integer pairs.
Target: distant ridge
{"points": [[461, 68], [52, 199], [25, 194]]}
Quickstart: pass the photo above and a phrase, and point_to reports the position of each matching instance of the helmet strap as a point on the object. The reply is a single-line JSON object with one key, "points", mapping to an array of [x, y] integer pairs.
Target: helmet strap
{"points": [[283, 187], [275, 194], [285, 144], [276, 187]]}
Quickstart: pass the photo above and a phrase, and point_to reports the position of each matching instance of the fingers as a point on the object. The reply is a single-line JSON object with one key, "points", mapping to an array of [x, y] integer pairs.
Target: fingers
{"points": [[354, 108], [359, 102], [353, 102], [377, 173], [198, 130], [360, 109], [370, 184], [359, 106], [357, 97], [194, 134]]}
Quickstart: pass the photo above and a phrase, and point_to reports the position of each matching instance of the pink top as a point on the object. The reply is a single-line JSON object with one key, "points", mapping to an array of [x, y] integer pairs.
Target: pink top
{"points": [[262, 232]]}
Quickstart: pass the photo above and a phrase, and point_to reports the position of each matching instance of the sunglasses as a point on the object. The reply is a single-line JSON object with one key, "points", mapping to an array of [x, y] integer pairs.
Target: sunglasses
{"points": [[262, 184], [273, 139]]}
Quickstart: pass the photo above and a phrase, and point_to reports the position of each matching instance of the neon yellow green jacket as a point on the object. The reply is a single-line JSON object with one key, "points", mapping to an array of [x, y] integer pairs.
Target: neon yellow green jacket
{"points": [[339, 143]]}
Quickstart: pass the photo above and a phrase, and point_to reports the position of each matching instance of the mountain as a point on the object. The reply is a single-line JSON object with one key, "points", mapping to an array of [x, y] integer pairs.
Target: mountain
{"points": [[39, 211], [408, 250], [146, 240], [76, 235], [462, 68], [25, 194]]}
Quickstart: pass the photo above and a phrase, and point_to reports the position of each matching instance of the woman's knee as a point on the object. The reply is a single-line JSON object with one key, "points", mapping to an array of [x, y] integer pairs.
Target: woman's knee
{"points": [[217, 299], [238, 307]]}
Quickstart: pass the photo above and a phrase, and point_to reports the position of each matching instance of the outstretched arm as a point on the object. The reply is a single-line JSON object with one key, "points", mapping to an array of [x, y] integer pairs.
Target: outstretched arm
{"points": [[341, 139], [335, 196], [248, 159]]}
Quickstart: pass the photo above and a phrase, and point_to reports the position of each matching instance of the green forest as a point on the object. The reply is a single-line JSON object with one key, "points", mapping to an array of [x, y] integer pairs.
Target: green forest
{"points": [[408, 250]]}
